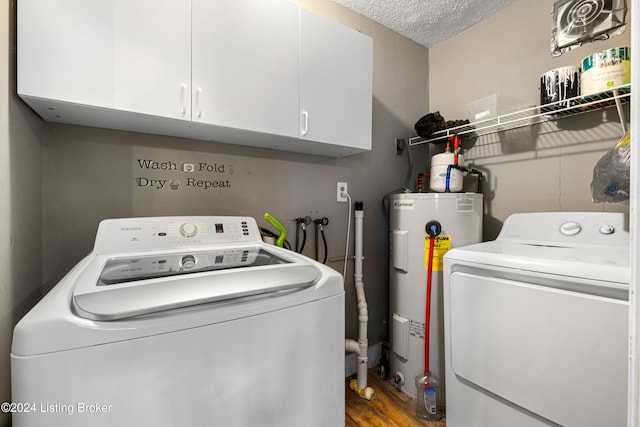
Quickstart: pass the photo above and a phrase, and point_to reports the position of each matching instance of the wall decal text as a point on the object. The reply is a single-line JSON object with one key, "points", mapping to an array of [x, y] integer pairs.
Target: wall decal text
{"points": [[173, 176]]}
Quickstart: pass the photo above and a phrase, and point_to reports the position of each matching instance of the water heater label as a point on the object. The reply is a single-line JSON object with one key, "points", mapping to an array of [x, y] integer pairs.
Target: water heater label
{"points": [[441, 245], [403, 204], [416, 329], [464, 204]]}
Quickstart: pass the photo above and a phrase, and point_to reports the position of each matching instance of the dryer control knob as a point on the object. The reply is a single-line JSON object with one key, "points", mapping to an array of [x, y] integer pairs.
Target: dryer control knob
{"points": [[570, 228], [188, 229], [607, 229]]}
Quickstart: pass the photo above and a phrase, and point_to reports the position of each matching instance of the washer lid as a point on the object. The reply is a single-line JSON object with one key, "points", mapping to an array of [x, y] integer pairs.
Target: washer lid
{"points": [[130, 286]]}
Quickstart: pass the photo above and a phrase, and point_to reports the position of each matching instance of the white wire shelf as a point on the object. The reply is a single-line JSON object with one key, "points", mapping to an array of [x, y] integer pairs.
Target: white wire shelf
{"points": [[530, 116]]}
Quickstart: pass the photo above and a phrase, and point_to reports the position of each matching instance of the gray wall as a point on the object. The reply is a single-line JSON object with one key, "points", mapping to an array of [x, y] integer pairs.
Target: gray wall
{"points": [[20, 202], [549, 167]]}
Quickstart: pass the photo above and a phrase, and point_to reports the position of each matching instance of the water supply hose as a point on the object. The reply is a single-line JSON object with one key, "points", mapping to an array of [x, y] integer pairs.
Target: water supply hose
{"points": [[427, 315], [420, 176], [456, 165], [320, 224], [456, 149], [324, 241], [301, 224], [447, 182], [304, 238], [447, 187], [433, 229]]}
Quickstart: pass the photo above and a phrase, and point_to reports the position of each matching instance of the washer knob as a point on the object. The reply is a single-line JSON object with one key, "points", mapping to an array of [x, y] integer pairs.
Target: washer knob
{"points": [[607, 229], [188, 262], [570, 228], [188, 229]]}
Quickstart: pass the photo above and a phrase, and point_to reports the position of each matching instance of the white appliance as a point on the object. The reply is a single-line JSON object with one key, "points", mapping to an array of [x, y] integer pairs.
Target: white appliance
{"points": [[184, 321], [536, 324], [460, 217]]}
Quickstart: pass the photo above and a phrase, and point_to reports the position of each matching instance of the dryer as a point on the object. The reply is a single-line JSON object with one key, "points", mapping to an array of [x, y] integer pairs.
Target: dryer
{"points": [[184, 321], [536, 324]]}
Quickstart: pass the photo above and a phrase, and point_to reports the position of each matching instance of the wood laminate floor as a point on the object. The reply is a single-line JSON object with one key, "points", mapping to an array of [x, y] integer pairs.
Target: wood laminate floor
{"points": [[388, 408]]}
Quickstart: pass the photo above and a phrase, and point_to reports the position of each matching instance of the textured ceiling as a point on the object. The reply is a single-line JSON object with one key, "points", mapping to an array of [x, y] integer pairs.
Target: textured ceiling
{"points": [[427, 22]]}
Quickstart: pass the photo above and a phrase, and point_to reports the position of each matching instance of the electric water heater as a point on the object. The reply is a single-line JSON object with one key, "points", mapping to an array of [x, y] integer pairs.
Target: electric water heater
{"points": [[460, 218]]}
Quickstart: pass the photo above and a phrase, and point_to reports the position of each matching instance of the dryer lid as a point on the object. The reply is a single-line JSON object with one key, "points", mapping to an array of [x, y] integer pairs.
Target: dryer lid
{"points": [[589, 245]]}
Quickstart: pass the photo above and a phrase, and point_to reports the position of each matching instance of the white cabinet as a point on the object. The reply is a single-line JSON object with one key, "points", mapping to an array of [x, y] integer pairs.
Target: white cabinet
{"points": [[256, 72], [245, 64], [126, 55], [335, 83]]}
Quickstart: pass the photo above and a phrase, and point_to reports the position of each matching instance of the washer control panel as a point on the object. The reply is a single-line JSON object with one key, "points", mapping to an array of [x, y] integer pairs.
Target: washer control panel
{"points": [[188, 229], [127, 269], [157, 233]]}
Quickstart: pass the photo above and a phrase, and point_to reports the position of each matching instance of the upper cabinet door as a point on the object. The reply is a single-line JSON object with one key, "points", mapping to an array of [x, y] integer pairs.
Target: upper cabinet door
{"points": [[127, 55], [245, 64], [335, 83]]}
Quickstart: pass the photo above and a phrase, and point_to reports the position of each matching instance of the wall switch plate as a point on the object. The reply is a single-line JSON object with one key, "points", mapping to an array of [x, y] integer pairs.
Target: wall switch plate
{"points": [[341, 191]]}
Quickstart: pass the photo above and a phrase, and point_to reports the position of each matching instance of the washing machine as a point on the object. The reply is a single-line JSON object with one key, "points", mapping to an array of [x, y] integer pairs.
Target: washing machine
{"points": [[183, 321], [536, 324]]}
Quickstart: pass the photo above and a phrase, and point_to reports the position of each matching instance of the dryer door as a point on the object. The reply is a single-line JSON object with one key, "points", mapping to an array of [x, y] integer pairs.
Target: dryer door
{"points": [[553, 352]]}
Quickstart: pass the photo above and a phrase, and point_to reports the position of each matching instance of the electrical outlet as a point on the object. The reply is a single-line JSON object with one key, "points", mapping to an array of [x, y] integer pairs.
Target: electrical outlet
{"points": [[341, 188]]}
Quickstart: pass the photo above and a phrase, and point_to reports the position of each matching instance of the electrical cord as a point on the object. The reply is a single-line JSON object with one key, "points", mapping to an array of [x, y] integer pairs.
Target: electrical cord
{"points": [[405, 189], [346, 249]]}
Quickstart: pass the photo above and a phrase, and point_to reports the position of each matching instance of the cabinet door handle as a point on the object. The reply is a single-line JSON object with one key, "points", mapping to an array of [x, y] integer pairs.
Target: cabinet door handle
{"points": [[305, 122], [183, 99], [198, 110]]}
